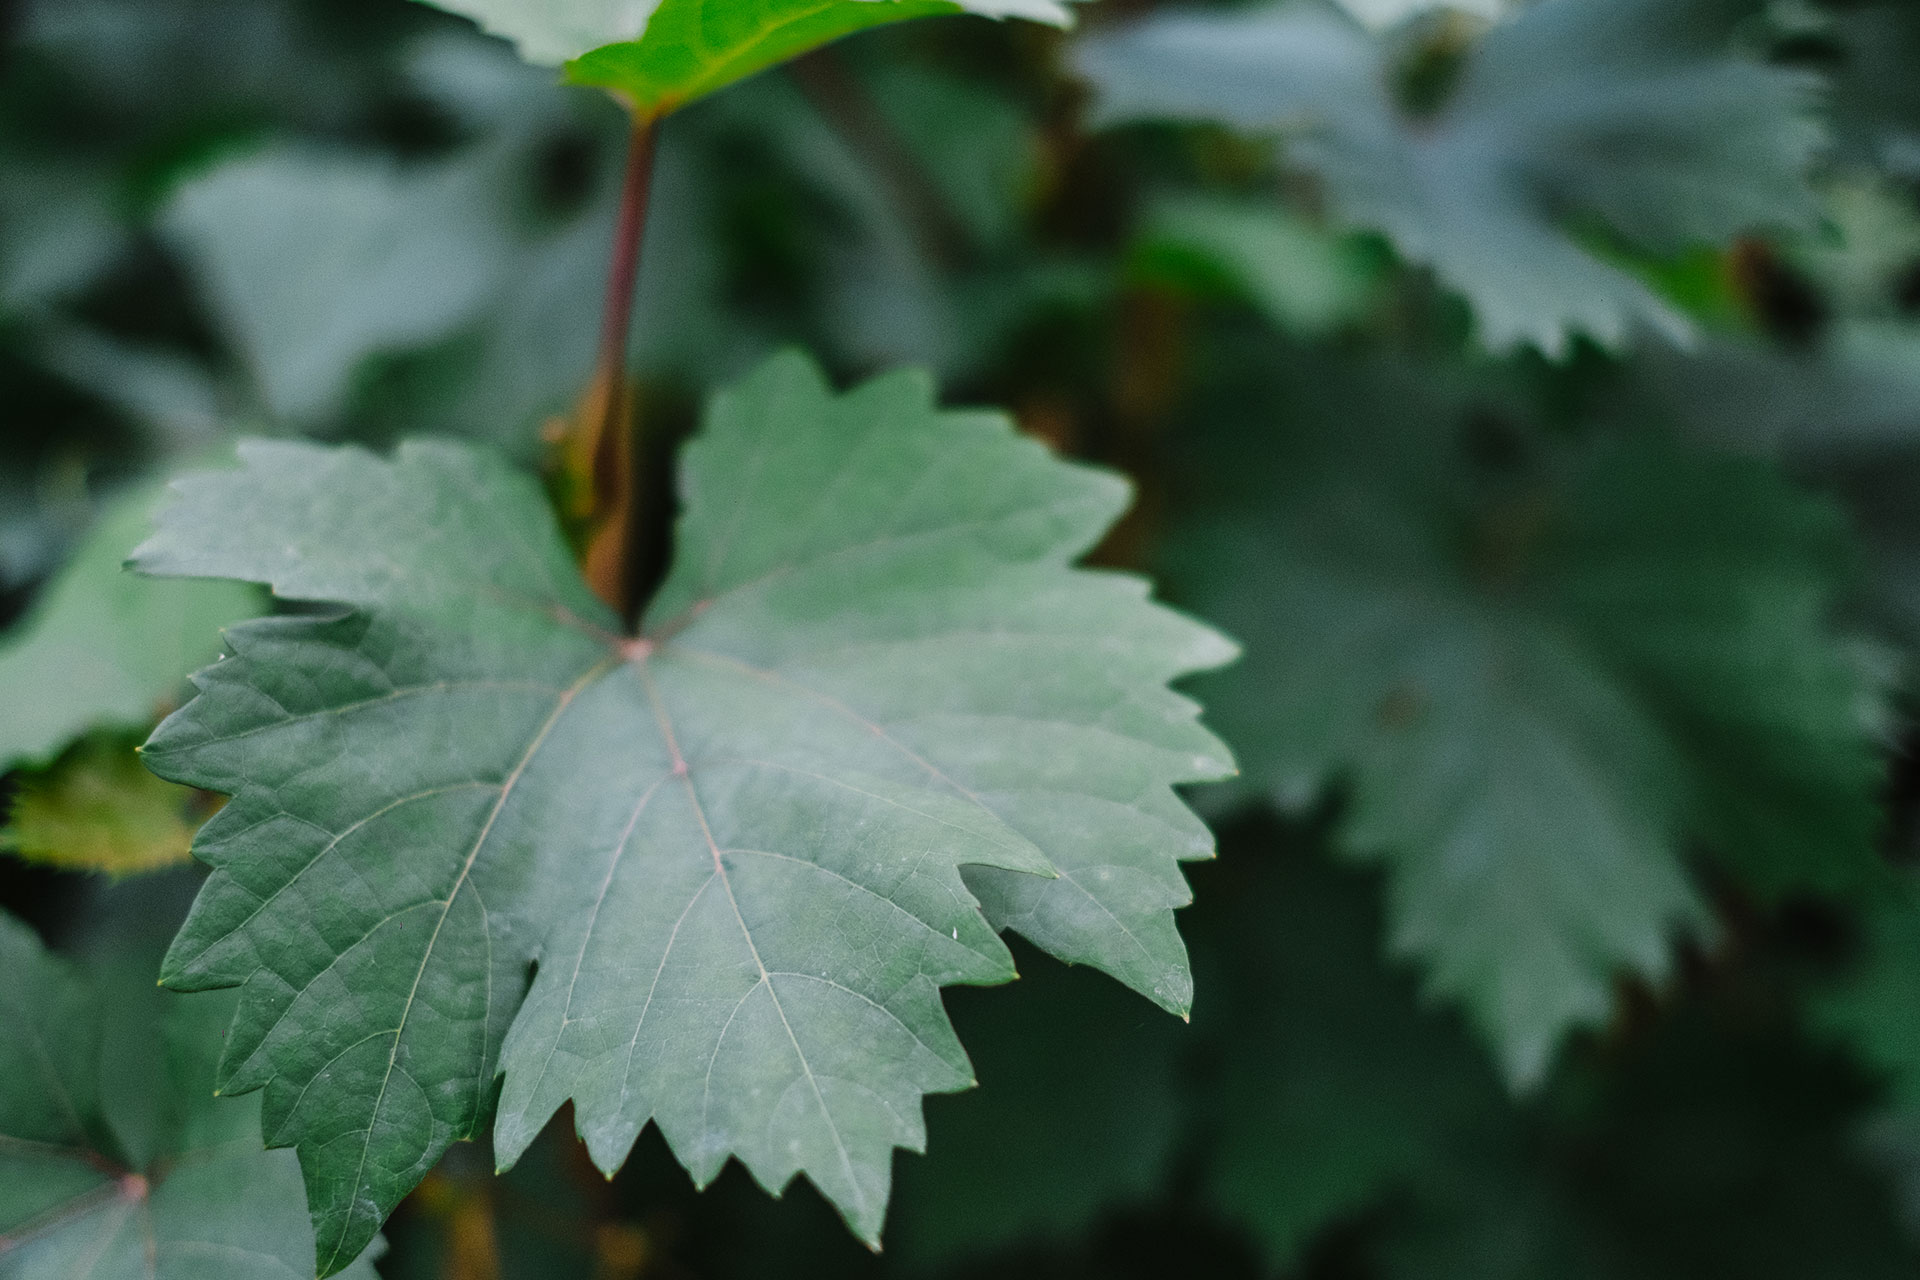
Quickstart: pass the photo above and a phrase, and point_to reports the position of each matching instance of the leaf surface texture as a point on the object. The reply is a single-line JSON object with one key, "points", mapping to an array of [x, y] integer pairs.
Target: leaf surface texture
{"points": [[733, 845]]}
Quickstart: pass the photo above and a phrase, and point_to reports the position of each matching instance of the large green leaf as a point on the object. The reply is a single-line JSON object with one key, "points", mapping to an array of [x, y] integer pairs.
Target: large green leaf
{"points": [[1625, 114], [103, 647], [1540, 684], [116, 1160], [732, 843], [659, 55]]}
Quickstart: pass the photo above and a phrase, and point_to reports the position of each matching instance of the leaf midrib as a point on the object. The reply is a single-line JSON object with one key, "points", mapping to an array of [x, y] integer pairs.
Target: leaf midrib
{"points": [[682, 771]]}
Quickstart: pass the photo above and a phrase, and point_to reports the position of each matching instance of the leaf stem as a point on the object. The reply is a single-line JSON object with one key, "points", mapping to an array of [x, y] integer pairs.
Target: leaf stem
{"points": [[608, 413]]}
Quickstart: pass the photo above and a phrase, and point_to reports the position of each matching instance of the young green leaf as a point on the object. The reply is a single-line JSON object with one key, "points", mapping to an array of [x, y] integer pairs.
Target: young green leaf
{"points": [[733, 843], [115, 1167], [104, 648], [659, 55], [1621, 113]]}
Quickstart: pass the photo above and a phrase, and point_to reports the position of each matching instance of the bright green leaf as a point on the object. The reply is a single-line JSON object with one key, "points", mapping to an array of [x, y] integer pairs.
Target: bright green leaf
{"points": [[733, 843], [1624, 113], [660, 55], [105, 648], [111, 1167]]}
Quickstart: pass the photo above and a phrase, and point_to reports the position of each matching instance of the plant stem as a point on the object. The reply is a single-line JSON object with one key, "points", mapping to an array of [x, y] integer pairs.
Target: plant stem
{"points": [[608, 412]]}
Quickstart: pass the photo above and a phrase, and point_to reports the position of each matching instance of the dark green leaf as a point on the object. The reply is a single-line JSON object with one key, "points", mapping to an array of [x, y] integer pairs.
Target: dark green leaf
{"points": [[1336, 1088], [1539, 685], [732, 843]]}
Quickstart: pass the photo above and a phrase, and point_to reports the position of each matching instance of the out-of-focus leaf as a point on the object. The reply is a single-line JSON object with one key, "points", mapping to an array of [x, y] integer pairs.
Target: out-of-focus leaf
{"points": [[1875, 102], [1539, 686], [1854, 397], [1624, 112], [314, 262], [172, 395], [104, 648], [97, 808], [1710, 1146], [735, 841], [1303, 279], [1080, 1105], [1381, 15], [1867, 250], [58, 230], [495, 296], [1871, 1009], [1336, 1088], [659, 55], [116, 1159], [160, 71], [977, 149]]}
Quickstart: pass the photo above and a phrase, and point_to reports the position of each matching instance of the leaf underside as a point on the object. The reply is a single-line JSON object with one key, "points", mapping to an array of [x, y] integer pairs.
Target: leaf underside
{"points": [[733, 845]]}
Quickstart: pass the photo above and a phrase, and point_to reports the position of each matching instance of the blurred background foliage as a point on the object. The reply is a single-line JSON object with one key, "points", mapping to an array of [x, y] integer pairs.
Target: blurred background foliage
{"points": [[1544, 419]]}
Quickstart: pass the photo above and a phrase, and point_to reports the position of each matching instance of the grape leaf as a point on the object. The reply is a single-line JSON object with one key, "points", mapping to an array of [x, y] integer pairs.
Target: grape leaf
{"points": [[1623, 113], [659, 55], [1539, 685], [98, 809], [733, 842], [105, 648], [115, 1157]]}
